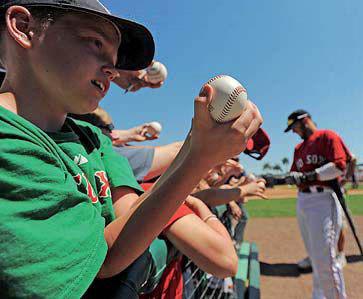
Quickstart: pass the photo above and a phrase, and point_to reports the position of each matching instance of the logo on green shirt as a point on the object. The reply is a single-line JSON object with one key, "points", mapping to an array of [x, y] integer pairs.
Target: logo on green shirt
{"points": [[79, 159]]}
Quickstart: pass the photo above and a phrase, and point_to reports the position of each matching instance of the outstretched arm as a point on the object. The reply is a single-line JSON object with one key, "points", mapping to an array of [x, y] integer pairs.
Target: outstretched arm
{"points": [[218, 196], [135, 134], [137, 79], [163, 157]]}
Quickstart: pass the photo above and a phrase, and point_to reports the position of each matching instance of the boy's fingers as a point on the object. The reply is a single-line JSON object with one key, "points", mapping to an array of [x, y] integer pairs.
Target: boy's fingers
{"points": [[201, 102], [249, 121], [256, 122], [244, 121]]}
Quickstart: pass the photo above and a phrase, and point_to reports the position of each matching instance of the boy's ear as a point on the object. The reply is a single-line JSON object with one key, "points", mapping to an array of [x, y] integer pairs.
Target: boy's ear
{"points": [[18, 21]]}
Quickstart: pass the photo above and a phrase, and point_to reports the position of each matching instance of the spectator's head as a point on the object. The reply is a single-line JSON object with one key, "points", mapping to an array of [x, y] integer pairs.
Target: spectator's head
{"points": [[99, 118], [213, 177], [69, 49]]}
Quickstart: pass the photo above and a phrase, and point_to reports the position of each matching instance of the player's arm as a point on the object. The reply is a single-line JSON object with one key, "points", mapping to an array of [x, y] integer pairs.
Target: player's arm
{"points": [[336, 157], [201, 151], [327, 172]]}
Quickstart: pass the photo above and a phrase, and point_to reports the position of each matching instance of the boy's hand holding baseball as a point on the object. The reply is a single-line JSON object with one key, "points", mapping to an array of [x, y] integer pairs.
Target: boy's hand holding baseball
{"points": [[214, 142]]}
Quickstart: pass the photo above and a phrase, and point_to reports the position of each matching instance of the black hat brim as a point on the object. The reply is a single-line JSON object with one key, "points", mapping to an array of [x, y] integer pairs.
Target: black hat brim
{"points": [[288, 128], [137, 47]]}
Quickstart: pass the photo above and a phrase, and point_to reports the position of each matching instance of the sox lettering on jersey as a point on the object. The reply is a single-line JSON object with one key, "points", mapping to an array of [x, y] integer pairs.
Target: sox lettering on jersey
{"points": [[321, 147], [104, 185], [312, 159]]}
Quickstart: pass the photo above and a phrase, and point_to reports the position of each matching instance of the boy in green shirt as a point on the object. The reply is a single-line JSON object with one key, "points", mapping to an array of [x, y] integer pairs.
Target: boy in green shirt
{"points": [[58, 177]]}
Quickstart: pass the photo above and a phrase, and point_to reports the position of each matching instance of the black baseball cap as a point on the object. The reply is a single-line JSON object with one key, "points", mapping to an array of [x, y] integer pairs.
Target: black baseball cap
{"points": [[137, 47], [294, 117]]}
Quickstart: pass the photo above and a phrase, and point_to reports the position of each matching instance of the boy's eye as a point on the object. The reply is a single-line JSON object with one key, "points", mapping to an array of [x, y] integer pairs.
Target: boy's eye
{"points": [[97, 43]]}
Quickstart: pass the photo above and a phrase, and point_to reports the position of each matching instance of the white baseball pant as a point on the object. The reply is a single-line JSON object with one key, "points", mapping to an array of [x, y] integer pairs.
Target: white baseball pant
{"points": [[320, 220]]}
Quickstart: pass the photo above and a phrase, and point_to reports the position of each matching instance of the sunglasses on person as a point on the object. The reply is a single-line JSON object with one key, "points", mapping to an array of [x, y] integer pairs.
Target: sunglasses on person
{"points": [[107, 127]]}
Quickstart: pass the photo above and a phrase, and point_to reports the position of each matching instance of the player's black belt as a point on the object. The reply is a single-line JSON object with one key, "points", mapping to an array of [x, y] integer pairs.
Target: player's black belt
{"points": [[307, 190]]}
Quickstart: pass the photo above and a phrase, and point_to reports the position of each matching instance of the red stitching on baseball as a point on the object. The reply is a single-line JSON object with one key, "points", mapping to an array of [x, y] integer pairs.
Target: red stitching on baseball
{"points": [[215, 78], [231, 100]]}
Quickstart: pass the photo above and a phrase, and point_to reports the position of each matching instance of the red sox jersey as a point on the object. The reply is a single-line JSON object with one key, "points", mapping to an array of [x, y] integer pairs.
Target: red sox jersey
{"points": [[322, 147]]}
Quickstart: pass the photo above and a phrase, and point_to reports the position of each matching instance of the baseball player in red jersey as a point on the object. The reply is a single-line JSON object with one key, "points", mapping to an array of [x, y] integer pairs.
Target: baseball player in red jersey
{"points": [[320, 158]]}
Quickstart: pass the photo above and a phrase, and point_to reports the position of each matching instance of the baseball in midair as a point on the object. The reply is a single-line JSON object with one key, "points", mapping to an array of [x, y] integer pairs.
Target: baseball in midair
{"points": [[154, 129], [156, 72], [229, 98]]}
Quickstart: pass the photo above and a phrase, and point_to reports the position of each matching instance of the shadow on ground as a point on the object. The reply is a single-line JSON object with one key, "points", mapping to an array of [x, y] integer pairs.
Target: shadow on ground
{"points": [[291, 270], [354, 258]]}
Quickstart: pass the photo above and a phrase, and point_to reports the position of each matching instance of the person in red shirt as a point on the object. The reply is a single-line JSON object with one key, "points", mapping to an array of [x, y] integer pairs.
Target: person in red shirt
{"points": [[321, 157]]}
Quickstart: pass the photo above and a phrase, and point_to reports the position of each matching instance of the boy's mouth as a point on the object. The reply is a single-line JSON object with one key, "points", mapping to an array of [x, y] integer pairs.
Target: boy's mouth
{"points": [[99, 85]]}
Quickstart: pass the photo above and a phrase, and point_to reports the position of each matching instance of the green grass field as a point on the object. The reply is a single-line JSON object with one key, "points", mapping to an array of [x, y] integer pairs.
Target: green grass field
{"points": [[287, 207], [349, 186]]}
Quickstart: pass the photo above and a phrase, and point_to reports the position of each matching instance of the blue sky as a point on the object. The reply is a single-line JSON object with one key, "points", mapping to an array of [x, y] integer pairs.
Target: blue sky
{"points": [[288, 54]]}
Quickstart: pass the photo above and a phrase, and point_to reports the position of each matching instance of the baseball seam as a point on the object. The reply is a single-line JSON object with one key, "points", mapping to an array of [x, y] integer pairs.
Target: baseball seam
{"points": [[231, 100], [215, 78]]}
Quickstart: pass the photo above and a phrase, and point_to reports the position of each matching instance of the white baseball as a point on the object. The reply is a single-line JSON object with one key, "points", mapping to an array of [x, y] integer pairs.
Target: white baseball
{"points": [[156, 72], [154, 129], [229, 98], [251, 178]]}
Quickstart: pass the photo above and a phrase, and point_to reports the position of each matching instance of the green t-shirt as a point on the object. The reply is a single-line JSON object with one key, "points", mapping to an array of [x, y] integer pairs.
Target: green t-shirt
{"points": [[55, 202]]}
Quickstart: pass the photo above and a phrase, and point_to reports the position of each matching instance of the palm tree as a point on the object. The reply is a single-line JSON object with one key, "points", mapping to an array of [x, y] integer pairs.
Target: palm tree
{"points": [[266, 167], [277, 168]]}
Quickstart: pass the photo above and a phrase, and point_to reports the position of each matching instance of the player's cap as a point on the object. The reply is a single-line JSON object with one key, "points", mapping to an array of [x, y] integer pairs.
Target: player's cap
{"points": [[294, 117], [137, 47]]}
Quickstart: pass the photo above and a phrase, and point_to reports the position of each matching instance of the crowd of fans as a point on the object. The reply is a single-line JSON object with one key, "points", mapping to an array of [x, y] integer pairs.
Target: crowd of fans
{"points": [[75, 221]]}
